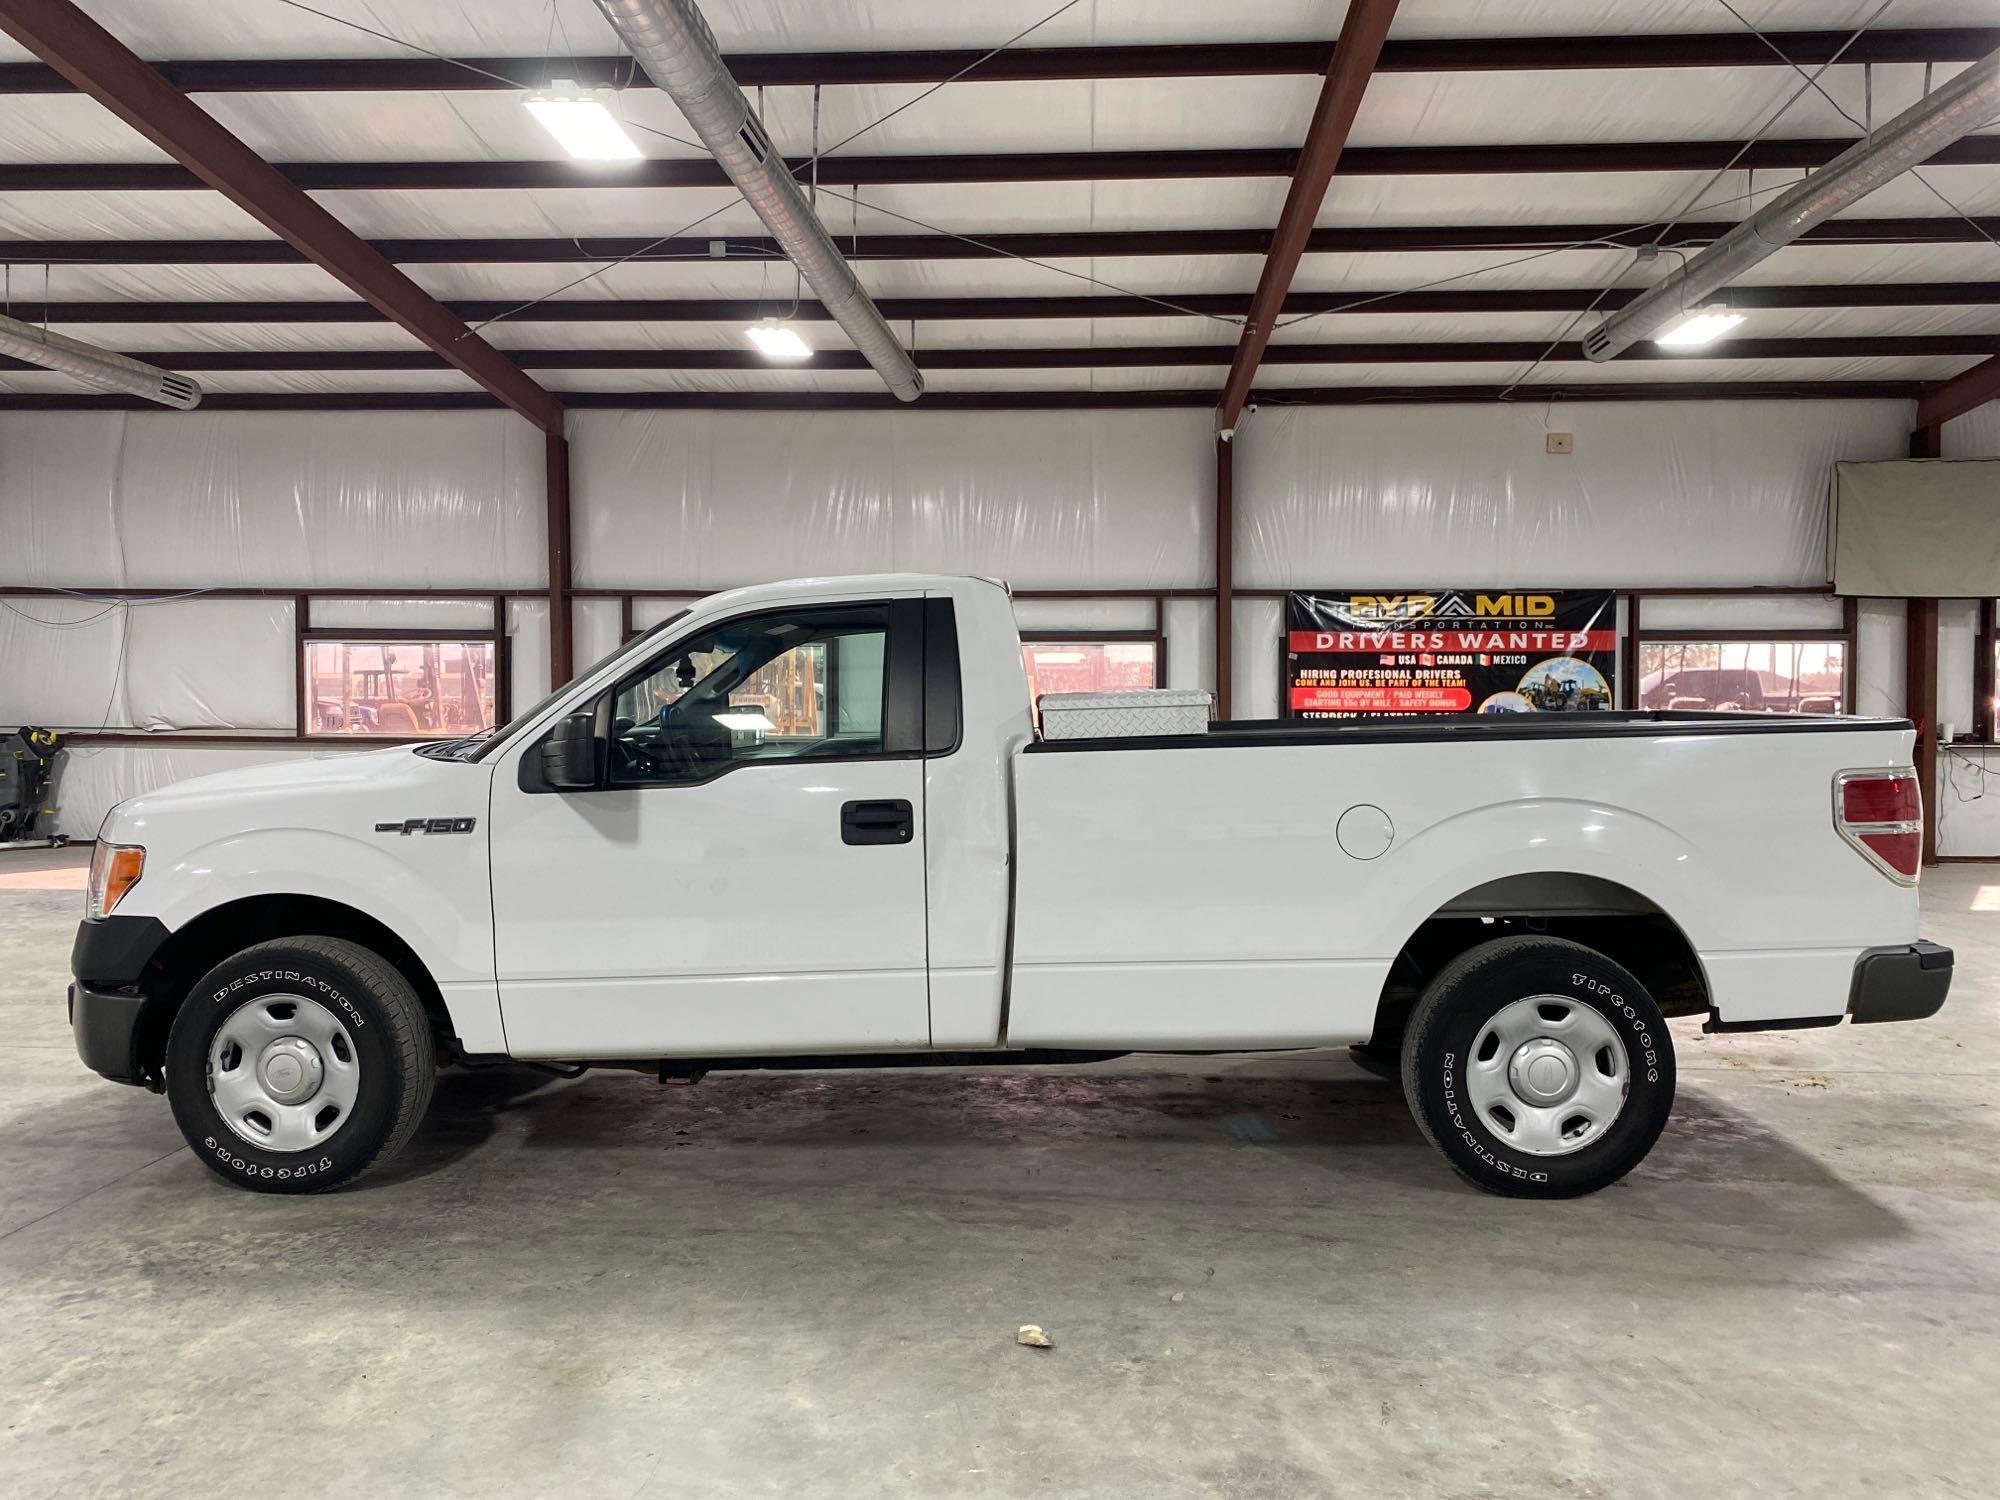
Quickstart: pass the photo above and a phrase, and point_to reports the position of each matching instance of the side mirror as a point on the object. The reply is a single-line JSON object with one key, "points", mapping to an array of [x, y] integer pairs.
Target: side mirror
{"points": [[569, 754]]}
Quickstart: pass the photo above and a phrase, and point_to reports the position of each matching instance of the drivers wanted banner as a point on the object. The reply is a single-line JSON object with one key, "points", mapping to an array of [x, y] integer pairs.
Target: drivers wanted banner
{"points": [[1450, 651]]}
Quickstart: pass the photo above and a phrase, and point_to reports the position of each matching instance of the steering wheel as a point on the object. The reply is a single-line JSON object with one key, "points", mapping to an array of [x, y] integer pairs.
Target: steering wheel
{"points": [[669, 759]]}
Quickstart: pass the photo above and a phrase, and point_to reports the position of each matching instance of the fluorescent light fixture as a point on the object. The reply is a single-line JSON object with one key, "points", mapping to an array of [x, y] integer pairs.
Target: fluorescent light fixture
{"points": [[1703, 326], [746, 718], [581, 124], [775, 340]]}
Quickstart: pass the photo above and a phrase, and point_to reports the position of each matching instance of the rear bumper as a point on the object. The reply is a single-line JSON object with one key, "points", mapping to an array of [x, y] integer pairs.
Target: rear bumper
{"points": [[1908, 983], [1900, 984]]}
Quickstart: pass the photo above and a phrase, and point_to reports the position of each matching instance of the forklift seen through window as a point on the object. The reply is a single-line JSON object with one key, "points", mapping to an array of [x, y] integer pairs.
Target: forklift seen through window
{"points": [[400, 687]]}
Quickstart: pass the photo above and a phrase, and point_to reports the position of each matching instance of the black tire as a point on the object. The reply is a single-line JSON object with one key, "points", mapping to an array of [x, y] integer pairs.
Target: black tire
{"points": [[391, 1044], [1474, 988]]}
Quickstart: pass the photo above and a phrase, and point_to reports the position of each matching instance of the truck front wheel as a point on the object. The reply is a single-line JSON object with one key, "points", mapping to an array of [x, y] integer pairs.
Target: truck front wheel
{"points": [[1540, 1068], [297, 1065]]}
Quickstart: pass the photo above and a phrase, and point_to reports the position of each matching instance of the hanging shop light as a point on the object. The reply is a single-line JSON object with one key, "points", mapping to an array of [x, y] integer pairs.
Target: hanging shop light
{"points": [[580, 121], [95, 366], [776, 340], [1702, 326]]}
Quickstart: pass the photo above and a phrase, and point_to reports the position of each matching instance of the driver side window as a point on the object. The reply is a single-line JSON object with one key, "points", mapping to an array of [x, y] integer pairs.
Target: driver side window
{"points": [[802, 684]]}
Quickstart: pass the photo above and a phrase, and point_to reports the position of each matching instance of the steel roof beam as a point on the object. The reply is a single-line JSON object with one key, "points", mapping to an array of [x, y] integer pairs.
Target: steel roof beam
{"points": [[1015, 166], [1045, 245], [1964, 392], [1358, 395], [1205, 304], [1733, 49], [1362, 32], [1127, 356]]}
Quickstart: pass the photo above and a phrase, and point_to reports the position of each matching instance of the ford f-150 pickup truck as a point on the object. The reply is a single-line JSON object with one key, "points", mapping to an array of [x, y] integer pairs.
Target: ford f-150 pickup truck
{"points": [[813, 825]]}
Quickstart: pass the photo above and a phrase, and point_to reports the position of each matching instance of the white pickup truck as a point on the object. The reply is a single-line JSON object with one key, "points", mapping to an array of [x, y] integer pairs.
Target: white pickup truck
{"points": [[812, 825]]}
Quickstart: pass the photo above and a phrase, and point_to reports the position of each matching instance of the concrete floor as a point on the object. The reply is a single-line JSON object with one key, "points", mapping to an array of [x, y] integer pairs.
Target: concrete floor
{"points": [[809, 1285]]}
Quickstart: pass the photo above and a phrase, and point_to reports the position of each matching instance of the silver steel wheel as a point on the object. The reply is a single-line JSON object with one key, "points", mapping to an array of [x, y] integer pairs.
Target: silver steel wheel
{"points": [[1548, 1075], [283, 1072]]}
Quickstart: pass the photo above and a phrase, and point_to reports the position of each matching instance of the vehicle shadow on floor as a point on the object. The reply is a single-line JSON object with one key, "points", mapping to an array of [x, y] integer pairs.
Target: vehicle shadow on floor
{"points": [[1305, 1122]]}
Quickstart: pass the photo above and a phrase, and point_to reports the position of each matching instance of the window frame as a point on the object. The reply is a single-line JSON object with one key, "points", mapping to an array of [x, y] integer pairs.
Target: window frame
{"points": [[904, 696], [1985, 667], [306, 635], [1156, 638], [1637, 637]]}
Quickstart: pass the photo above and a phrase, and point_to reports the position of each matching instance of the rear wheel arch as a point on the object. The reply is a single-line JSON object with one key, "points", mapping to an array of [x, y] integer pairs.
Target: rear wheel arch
{"points": [[1616, 920], [198, 945]]}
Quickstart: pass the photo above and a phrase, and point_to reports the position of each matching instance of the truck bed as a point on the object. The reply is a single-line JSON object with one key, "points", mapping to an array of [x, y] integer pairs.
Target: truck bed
{"points": [[1185, 891], [1463, 728]]}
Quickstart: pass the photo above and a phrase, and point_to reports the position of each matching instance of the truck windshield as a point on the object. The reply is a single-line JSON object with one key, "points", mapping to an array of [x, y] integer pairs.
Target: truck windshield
{"points": [[478, 747]]}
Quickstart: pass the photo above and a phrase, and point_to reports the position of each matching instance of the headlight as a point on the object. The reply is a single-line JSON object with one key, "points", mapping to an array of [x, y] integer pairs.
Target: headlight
{"points": [[114, 870]]}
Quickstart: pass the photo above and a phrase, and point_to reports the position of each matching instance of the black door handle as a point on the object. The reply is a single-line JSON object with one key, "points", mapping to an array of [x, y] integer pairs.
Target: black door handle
{"points": [[877, 822]]}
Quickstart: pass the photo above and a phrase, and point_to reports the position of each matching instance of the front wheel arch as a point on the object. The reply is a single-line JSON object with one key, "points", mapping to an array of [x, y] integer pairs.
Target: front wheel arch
{"points": [[197, 946]]}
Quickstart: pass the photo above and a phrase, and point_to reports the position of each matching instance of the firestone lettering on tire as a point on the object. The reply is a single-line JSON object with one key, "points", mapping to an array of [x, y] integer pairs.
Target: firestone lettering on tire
{"points": [[252, 1169], [1624, 1008]]}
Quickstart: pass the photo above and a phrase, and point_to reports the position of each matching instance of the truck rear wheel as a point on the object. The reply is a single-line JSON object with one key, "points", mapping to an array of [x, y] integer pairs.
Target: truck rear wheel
{"points": [[1540, 1068], [297, 1065]]}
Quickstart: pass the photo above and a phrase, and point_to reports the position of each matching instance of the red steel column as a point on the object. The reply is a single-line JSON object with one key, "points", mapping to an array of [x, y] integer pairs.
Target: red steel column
{"points": [[1225, 582], [1921, 661], [561, 662]]}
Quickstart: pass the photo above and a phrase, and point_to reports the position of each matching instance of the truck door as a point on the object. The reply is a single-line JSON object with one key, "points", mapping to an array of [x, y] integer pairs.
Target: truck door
{"points": [[748, 874]]}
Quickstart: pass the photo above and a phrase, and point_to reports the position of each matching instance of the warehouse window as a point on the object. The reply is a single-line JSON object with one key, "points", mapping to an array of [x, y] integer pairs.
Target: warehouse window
{"points": [[1761, 676], [1091, 666], [362, 684]]}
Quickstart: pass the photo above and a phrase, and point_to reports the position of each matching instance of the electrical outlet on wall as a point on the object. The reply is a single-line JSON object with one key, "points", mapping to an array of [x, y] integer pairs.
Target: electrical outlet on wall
{"points": [[1561, 442]]}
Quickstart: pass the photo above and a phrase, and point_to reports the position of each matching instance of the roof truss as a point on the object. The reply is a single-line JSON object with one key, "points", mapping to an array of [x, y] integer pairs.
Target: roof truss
{"points": [[96, 62]]}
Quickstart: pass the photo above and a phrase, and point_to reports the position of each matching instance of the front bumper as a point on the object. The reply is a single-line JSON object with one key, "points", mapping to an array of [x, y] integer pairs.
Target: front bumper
{"points": [[105, 1003], [1900, 984], [106, 1026]]}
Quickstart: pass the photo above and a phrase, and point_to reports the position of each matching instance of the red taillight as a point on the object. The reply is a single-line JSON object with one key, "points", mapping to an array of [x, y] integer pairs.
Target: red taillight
{"points": [[1881, 813], [1899, 851], [1879, 799]]}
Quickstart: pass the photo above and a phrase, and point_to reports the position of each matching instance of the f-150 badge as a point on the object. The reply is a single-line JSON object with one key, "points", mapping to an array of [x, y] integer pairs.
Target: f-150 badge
{"points": [[428, 825]]}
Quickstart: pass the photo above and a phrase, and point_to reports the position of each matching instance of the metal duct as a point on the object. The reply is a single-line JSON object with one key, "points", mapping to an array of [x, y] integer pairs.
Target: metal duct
{"points": [[1956, 109], [673, 44], [95, 366]]}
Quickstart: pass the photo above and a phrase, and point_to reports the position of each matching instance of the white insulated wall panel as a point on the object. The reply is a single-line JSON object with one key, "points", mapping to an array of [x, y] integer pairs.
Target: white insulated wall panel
{"points": [[1660, 494], [1041, 499], [292, 499]]}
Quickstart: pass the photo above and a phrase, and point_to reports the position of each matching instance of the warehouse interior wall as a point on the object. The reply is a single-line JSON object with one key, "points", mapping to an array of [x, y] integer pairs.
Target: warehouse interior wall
{"points": [[1045, 499], [1099, 506]]}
